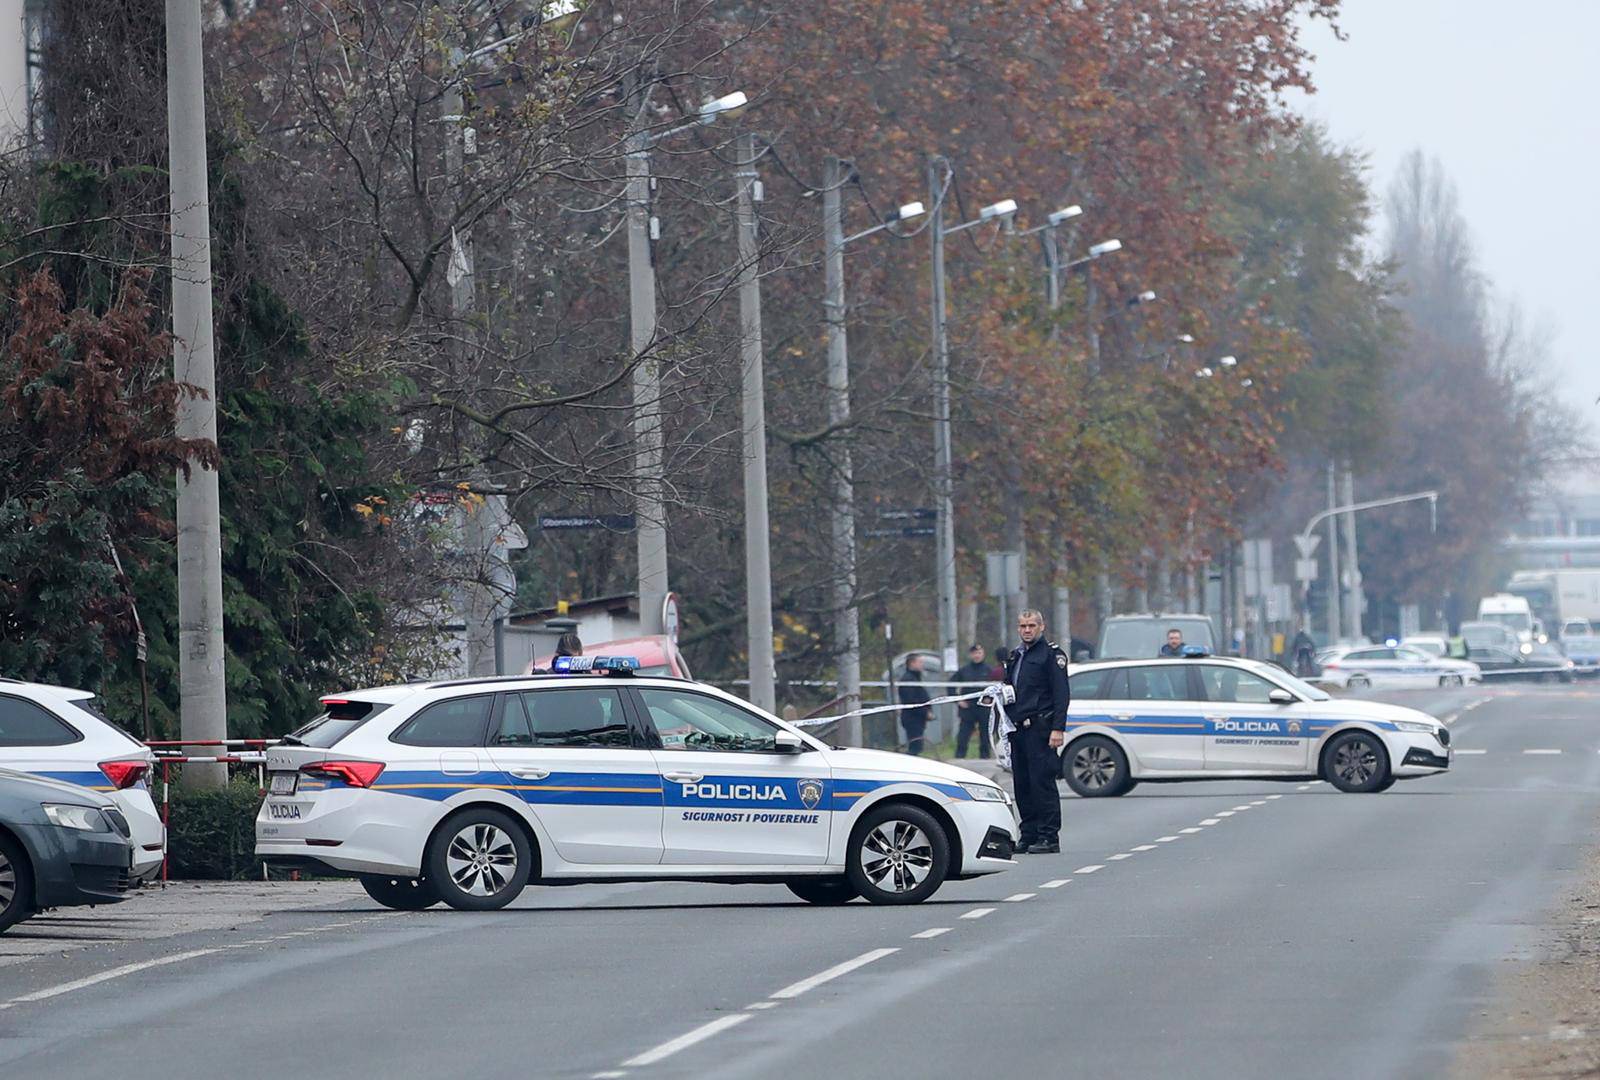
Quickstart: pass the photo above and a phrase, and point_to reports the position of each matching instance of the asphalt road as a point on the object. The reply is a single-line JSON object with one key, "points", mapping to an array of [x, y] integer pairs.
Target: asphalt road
{"points": [[1237, 930]]}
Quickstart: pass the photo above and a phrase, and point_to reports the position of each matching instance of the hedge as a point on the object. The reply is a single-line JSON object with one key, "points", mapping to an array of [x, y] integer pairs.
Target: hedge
{"points": [[212, 833]]}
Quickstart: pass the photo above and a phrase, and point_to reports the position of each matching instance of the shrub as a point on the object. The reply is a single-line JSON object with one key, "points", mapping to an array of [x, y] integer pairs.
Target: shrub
{"points": [[212, 834]]}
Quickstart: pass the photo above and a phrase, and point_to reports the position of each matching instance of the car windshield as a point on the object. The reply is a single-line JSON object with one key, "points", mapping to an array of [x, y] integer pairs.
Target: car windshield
{"points": [[1516, 620], [1137, 639]]}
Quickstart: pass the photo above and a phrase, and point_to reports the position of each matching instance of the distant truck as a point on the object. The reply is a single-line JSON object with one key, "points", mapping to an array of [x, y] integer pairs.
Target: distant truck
{"points": [[1557, 596]]}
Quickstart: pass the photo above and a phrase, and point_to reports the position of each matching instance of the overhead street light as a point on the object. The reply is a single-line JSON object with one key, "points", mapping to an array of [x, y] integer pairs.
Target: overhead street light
{"points": [[1146, 297], [1066, 213], [1003, 208], [1228, 361], [908, 211], [1105, 247], [731, 104]]}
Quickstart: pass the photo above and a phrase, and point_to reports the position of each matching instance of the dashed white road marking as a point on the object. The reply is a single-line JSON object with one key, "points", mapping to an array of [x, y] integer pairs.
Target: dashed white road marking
{"points": [[1303, 787], [1119, 856], [686, 1040], [1224, 813], [609, 1074], [1247, 806], [1056, 884], [1211, 821], [1144, 847], [1165, 839], [762, 1005], [1263, 802], [978, 913], [794, 990], [1271, 797], [1460, 753], [1017, 898], [105, 976], [932, 932], [1089, 869], [1191, 829], [1541, 751]]}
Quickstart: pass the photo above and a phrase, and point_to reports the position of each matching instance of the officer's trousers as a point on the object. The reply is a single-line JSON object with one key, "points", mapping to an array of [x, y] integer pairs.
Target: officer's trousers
{"points": [[1034, 768]]}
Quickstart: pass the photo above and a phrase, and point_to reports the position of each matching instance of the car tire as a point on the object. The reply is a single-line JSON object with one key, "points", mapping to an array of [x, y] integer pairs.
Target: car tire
{"points": [[16, 884], [1356, 762], [479, 860], [1450, 680], [823, 891], [1358, 682], [401, 893], [1095, 767], [898, 854], [1387, 784]]}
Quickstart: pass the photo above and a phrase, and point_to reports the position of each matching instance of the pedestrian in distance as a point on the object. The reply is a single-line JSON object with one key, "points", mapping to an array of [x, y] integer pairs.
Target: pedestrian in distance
{"points": [[1174, 645], [914, 720], [1037, 671], [973, 717], [1305, 651], [569, 645]]}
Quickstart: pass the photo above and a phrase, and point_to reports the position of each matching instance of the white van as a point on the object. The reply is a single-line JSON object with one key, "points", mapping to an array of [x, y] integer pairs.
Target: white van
{"points": [[1512, 612]]}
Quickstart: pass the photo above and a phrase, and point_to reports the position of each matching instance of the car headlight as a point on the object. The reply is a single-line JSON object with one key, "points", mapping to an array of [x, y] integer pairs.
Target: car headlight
{"points": [[984, 793], [1415, 725], [86, 818]]}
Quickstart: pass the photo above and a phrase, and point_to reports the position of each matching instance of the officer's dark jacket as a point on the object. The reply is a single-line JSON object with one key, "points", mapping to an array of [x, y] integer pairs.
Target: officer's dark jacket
{"points": [[1040, 677], [1168, 650]]}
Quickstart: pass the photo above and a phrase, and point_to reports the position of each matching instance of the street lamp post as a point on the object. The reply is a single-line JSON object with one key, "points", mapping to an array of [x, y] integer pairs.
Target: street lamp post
{"points": [[847, 617], [649, 499], [945, 530]]}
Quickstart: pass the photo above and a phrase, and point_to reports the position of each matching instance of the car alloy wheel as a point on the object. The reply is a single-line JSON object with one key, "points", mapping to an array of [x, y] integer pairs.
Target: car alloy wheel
{"points": [[898, 854], [479, 860], [1359, 682], [16, 885], [1356, 762], [1450, 680], [1095, 767]]}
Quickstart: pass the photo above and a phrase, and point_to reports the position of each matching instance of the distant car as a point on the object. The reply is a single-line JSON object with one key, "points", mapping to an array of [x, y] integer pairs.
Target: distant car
{"points": [[1576, 628], [1432, 644], [1490, 635], [1137, 637], [61, 845], [1222, 718], [1395, 667], [61, 733], [1583, 651], [1542, 663]]}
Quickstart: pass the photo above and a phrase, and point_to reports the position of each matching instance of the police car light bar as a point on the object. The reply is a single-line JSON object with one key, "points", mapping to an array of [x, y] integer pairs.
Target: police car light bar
{"points": [[1195, 652], [576, 665]]}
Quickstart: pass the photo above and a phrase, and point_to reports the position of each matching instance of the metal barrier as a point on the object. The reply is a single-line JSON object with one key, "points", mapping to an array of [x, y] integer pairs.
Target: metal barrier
{"points": [[169, 752]]}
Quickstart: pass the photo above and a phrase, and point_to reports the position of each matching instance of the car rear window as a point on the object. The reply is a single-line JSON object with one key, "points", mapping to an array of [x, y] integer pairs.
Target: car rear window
{"points": [[341, 719], [462, 721], [91, 705], [22, 723]]}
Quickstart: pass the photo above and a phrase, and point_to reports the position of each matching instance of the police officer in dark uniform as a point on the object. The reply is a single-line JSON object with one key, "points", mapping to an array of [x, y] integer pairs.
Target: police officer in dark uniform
{"points": [[1037, 669]]}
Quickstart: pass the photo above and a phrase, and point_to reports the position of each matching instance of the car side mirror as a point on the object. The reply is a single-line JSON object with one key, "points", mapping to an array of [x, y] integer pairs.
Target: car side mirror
{"points": [[1280, 696], [787, 742]]}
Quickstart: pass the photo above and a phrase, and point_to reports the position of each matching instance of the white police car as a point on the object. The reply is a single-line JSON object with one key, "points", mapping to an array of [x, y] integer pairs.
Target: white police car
{"points": [[60, 733], [1394, 667], [1219, 718], [467, 790]]}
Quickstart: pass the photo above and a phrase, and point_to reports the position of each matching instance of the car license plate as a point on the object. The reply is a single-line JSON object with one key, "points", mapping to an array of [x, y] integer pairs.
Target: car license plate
{"points": [[284, 783]]}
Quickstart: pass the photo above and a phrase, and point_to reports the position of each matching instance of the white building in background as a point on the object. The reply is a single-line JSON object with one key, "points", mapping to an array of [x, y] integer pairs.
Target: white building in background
{"points": [[1562, 526], [14, 81]]}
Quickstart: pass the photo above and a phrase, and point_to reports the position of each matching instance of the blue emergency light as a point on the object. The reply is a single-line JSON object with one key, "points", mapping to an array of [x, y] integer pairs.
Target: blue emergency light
{"points": [[1195, 652], [595, 665]]}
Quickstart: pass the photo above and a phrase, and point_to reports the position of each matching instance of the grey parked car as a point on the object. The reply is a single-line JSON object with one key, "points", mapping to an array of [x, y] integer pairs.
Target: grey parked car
{"points": [[61, 845]]}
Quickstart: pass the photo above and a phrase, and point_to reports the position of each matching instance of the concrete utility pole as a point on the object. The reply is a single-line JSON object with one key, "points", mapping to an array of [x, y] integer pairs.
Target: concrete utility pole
{"points": [[1335, 585], [757, 531], [1352, 607], [203, 709], [846, 616], [943, 491], [649, 503]]}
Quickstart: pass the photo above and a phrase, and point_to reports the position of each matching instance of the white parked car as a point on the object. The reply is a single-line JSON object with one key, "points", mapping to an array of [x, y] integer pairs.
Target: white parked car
{"points": [[1220, 718], [60, 733], [466, 791], [1395, 667]]}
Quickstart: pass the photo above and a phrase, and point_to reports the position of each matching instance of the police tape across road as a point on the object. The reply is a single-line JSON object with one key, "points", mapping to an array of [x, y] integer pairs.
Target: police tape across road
{"points": [[990, 692]]}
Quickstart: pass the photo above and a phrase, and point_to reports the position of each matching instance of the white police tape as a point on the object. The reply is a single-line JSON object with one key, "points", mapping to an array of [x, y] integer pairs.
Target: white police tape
{"points": [[989, 695]]}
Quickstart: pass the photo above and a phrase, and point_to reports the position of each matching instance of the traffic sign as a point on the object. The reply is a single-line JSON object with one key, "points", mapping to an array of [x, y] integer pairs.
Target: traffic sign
{"points": [[1305, 569], [614, 522], [913, 531], [1307, 543]]}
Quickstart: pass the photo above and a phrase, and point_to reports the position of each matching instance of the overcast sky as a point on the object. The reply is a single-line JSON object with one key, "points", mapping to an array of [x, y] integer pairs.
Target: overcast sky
{"points": [[1507, 97]]}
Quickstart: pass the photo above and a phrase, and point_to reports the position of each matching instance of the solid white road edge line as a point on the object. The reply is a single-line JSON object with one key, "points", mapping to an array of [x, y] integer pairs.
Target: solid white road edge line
{"points": [[932, 932], [686, 1040], [794, 990], [978, 913]]}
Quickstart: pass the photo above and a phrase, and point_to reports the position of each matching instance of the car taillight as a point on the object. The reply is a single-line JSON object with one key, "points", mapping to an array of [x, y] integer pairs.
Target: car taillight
{"points": [[354, 773], [124, 774], [1330, 667]]}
